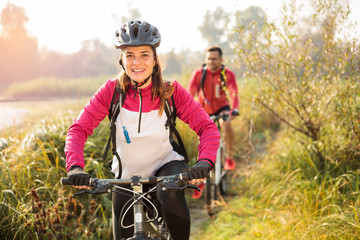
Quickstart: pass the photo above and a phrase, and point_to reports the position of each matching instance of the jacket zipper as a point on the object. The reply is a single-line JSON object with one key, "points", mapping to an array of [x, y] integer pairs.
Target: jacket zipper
{"points": [[140, 110]]}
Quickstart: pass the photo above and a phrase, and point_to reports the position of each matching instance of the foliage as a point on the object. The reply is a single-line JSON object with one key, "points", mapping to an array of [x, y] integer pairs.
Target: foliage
{"points": [[33, 204], [18, 48], [21, 59], [212, 28], [302, 74], [306, 184]]}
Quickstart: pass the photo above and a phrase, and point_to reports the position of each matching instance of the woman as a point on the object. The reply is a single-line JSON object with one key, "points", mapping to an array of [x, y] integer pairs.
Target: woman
{"points": [[146, 150]]}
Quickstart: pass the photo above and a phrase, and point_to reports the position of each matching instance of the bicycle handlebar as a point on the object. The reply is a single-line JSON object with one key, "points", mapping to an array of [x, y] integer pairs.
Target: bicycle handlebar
{"points": [[217, 117], [150, 180], [171, 182]]}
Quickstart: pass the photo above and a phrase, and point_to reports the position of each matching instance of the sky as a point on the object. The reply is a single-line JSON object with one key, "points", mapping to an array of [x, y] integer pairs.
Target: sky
{"points": [[62, 25]]}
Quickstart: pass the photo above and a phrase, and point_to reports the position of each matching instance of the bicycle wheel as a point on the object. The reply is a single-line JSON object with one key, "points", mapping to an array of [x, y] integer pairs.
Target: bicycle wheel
{"points": [[211, 195], [223, 184], [156, 228]]}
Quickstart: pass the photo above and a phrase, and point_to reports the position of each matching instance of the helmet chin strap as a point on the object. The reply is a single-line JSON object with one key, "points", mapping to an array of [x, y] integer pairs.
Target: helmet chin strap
{"points": [[137, 85]]}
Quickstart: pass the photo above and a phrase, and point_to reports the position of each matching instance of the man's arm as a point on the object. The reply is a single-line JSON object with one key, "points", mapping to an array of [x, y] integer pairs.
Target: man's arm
{"points": [[233, 90], [194, 83]]}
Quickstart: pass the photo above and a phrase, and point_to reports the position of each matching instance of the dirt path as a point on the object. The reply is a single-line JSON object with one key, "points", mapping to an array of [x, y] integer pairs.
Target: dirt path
{"points": [[198, 209]]}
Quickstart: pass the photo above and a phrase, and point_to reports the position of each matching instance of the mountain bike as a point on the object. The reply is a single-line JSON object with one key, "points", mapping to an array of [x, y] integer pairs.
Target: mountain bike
{"points": [[216, 184], [148, 223]]}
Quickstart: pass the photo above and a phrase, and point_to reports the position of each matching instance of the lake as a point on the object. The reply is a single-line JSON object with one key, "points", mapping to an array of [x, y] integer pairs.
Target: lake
{"points": [[11, 114]]}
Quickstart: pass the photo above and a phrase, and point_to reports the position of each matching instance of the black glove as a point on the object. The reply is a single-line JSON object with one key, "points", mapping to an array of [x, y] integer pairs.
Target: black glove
{"points": [[200, 170], [78, 177]]}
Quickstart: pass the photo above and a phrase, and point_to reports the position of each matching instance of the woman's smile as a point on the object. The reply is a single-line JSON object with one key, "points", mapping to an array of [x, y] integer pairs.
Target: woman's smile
{"points": [[139, 62]]}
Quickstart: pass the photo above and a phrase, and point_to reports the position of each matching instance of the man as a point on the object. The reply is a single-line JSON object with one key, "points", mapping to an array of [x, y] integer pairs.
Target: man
{"points": [[212, 95]]}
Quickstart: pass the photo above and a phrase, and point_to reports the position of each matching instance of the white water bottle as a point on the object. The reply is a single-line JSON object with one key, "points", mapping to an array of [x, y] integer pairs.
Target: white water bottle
{"points": [[217, 91]]}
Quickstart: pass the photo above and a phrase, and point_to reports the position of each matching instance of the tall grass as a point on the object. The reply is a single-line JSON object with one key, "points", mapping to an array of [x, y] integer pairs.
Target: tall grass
{"points": [[287, 195], [33, 204]]}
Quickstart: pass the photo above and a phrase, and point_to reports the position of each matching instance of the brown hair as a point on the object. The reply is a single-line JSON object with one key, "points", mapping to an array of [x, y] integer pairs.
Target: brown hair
{"points": [[159, 87], [215, 49]]}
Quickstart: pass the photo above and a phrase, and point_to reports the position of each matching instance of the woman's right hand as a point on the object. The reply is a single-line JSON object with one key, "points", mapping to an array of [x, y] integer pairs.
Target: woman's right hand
{"points": [[200, 170], [79, 178]]}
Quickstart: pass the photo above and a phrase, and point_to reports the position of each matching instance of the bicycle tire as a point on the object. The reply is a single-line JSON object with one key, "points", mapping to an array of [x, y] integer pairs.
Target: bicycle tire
{"points": [[223, 182], [156, 229], [211, 195]]}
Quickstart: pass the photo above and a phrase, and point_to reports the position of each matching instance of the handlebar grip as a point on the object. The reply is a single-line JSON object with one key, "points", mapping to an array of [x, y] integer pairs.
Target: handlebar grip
{"points": [[65, 181]]}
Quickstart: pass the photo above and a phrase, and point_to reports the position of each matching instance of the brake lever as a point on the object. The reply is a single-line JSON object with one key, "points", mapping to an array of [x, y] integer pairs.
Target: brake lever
{"points": [[193, 187], [100, 188], [81, 192], [176, 184]]}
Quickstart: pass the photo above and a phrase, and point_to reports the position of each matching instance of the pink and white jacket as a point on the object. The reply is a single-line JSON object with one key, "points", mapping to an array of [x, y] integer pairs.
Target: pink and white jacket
{"points": [[150, 147]]}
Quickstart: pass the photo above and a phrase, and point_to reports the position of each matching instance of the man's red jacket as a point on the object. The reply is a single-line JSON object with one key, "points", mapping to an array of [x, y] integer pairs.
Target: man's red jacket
{"points": [[213, 98]]}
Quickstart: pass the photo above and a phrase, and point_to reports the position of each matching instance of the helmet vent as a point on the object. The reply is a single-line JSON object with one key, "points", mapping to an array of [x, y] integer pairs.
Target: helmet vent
{"points": [[135, 31]]}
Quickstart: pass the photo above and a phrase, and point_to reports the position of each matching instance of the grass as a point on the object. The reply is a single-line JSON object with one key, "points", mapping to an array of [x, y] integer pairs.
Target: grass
{"points": [[277, 192], [33, 204], [42, 87], [285, 197]]}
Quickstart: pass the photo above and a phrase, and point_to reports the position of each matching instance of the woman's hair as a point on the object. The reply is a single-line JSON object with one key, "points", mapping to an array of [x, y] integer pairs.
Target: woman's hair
{"points": [[159, 87]]}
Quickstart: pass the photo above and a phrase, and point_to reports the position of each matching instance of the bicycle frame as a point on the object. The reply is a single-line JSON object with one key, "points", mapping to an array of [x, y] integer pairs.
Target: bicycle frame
{"points": [[217, 178], [165, 183]]}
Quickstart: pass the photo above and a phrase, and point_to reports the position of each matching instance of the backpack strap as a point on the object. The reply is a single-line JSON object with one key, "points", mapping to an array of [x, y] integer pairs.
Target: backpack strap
{"points": [[223, 78], [171, 122], [203, 76], [114, 111]]}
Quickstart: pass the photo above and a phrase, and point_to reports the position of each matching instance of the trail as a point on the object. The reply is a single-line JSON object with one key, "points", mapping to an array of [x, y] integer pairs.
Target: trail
{"points": [[198, 209]]}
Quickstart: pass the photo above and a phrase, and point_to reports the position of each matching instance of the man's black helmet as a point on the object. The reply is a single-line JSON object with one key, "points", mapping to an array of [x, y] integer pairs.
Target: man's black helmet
{"points": [[137, 33]]}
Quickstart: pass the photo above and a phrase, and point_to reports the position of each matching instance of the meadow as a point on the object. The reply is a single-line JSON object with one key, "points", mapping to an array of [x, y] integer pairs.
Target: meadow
{"points": [[280, 190]]}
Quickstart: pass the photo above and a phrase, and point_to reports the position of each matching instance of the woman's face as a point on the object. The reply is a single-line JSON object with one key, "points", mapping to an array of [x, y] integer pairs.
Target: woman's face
{"points": [[139, 62]]}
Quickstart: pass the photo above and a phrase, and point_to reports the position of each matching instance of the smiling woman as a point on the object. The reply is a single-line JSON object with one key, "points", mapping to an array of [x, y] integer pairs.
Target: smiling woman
{"points": [[140, 135]]}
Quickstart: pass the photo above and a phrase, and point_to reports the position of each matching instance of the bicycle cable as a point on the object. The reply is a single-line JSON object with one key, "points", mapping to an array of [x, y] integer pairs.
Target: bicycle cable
{"points": [[139, 196]]}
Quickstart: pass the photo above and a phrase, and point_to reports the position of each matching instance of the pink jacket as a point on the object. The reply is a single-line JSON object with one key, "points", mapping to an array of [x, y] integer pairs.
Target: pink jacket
{"points": [[97, 109]]}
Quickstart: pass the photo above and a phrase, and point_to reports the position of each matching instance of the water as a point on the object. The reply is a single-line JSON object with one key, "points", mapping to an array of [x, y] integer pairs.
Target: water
{"points": [[10, 114]]}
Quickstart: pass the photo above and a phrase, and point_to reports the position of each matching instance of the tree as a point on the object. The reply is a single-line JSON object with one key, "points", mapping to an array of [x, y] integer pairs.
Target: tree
{"points": [[308, 84], [250, 21], [213, 28], [172, 64], [19, 50]]}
